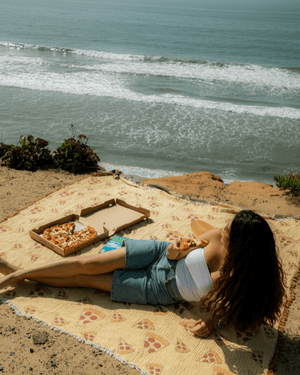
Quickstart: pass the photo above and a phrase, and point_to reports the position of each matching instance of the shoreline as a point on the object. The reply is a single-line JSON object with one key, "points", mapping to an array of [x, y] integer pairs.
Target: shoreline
{"points": [[133, 172]]}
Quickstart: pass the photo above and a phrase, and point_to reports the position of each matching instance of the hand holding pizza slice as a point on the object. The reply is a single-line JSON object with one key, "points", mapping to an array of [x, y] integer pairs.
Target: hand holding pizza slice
{"points": [[186, 243], [180, 248]]}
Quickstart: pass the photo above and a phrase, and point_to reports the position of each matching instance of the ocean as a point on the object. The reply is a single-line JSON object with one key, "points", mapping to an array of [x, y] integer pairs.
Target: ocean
{"points": [[159, 88]]}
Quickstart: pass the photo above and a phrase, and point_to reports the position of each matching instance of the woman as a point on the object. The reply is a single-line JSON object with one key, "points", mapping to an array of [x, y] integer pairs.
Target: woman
{"points": [[237, 276]]}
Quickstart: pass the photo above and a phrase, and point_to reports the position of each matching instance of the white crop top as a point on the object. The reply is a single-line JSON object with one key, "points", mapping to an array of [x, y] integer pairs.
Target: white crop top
{"points": [[192, 276]]}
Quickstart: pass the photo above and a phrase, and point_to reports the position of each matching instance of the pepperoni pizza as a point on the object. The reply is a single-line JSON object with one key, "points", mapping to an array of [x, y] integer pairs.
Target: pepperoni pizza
{"points": [[65, 236]]}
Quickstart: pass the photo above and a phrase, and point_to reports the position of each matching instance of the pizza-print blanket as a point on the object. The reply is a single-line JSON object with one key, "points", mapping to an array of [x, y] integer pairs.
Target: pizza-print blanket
{"points": [[154, 340]]}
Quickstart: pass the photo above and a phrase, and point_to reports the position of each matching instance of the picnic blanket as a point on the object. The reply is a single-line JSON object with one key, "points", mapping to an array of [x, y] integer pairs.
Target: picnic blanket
{"points": [[153, 339]]}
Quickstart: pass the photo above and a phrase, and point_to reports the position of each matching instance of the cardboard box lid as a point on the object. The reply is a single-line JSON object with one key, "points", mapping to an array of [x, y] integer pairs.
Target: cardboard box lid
{"points": [[113, 215]]}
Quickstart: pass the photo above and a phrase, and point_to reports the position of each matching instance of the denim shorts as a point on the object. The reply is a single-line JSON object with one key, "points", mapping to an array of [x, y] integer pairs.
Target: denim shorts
{"points": [[148, 276]]}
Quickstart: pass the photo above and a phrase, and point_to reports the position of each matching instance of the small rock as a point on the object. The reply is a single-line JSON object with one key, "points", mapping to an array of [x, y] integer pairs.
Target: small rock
{"points": [[31, 350], [1, 368], [40, 337]]}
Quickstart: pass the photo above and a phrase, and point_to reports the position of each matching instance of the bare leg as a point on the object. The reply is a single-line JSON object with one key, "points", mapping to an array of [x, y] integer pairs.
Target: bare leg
{"points": [[101, 282], [93, 264], [6, 268]]}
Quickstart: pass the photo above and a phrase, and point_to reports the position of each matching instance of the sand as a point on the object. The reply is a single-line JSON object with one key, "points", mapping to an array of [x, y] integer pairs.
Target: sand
{"points": [[28, 347]]}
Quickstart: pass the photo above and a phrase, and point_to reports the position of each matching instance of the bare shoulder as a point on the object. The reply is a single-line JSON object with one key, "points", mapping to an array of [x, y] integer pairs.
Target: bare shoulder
{"points": [[213, 235]]}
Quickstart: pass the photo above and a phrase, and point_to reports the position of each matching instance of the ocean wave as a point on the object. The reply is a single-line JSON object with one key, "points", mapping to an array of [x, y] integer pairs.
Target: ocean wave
{"points": [[106, 87], [127, 57], [264, 78], [293, 69], [39, 47], [112, 79], [210, 72]]}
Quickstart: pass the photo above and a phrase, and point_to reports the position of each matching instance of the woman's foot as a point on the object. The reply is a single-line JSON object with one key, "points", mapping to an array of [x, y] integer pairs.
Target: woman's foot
{"points": [[6, 268]]}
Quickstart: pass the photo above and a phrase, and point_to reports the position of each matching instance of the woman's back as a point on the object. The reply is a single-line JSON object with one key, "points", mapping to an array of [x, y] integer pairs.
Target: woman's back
{"points": [[248, 288]]}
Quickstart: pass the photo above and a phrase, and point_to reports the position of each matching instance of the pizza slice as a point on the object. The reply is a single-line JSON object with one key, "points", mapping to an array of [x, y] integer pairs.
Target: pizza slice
{"points": [[39, 291], [221, 340], [181, 347], [154, 368], [246, 336], [153, 343], [58, 231], [118, 318], [61, 294], [211, 357], [59, 321], [124, 347], [188, 326], [29, 310], [89, 336], [144, 324], [90, 316], [186, 243], [257, 356], [269, 332]]}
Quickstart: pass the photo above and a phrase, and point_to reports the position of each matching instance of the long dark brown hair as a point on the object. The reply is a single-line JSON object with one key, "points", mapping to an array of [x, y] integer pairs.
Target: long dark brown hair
{"points": [[250, 290]]}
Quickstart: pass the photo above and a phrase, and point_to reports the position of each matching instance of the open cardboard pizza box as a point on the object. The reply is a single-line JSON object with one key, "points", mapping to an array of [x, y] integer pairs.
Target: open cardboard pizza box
{"points": [[106, 218]]}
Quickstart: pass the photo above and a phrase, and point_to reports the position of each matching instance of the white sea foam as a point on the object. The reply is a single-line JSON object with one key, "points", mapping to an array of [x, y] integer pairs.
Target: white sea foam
{"points": [[180, 68], [114, 79], [210, 73], [115, 87], [131, 172], [142, 172]]}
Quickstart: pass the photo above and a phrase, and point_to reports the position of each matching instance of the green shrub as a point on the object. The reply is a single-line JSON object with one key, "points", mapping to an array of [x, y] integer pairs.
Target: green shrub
{"points": [[75, 155], [290, 181], [4, 148], [31, 155]]}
